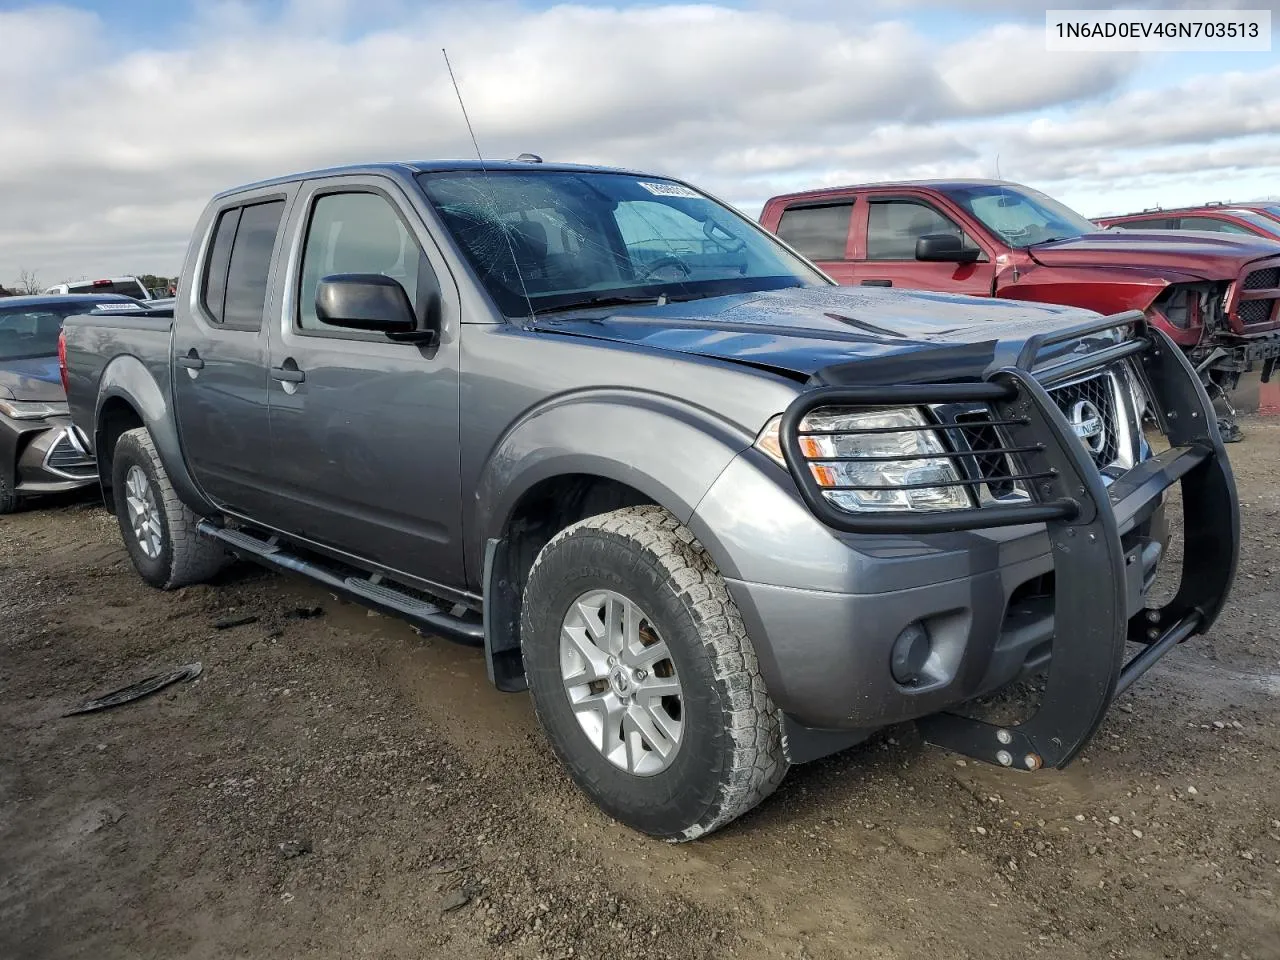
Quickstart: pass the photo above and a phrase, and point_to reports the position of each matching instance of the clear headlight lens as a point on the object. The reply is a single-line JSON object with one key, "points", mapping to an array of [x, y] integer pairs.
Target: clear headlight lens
{"points": [[881, 475], [31, 409]]}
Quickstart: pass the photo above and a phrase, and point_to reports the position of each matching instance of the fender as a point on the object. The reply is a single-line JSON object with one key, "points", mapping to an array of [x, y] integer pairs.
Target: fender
{"points": [[126, 378], [669, 450], [1104, 288]]}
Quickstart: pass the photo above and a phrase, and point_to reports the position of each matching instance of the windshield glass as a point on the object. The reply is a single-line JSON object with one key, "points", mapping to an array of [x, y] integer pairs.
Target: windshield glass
{"points": [[1020, 216], [32, 331], [558, 240], [1259, 220]]}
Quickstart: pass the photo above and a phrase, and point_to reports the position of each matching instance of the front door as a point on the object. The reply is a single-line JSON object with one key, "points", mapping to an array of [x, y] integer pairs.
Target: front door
{"points": [[886, 256], [364, 431], [220, 354]]}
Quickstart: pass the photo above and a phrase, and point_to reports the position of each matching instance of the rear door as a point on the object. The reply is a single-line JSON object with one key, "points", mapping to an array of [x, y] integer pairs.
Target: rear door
{"points": [[822, 231], [365, 431], [220, 352], [887, 229]]}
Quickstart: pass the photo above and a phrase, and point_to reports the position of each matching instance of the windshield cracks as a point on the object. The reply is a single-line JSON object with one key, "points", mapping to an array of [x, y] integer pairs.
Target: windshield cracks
{"points": [[552, 241]]}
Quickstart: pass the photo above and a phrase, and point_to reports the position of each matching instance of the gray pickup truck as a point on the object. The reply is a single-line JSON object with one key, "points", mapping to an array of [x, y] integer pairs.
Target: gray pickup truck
{"points": [[718, 514]]}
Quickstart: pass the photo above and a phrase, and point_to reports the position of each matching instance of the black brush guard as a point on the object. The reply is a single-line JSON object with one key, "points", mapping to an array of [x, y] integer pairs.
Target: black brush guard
{"points": [[1098, 604]]}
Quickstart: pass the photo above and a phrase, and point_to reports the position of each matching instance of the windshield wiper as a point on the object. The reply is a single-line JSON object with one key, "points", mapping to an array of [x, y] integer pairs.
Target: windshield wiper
{"points": [[614, 301]]}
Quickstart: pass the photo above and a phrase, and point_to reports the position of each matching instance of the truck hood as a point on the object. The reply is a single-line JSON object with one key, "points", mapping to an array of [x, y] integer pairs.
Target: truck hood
{"points": [[1210, 256], [36, 378], [800, 331]]}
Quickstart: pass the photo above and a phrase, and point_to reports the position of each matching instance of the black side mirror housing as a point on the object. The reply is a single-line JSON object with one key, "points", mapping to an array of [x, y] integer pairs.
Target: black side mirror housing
{"points": [[945, 248], [375, 303]]}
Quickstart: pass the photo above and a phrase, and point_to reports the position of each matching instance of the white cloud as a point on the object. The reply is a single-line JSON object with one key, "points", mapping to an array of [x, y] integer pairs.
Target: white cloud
{"points": [[110, 151], [1005, 69]]}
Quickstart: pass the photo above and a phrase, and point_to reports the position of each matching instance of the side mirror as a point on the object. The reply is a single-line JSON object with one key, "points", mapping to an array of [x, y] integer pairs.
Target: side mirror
{"points": [[945, 248], [368, 301]]}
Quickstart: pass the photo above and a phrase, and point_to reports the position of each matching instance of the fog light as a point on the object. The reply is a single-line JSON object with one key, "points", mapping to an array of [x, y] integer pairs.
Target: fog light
{"points": [[910, 652]]}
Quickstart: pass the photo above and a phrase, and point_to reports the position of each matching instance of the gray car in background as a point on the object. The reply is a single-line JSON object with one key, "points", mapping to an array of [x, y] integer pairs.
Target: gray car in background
{"points": [[40, 451], [718, 514]]}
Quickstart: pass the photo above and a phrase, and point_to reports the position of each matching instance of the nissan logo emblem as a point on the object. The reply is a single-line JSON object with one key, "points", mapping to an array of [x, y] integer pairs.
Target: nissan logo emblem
{"points": [[1087, 424]]}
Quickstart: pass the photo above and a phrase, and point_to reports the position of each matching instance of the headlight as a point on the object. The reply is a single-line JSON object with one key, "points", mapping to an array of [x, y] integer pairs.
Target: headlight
{"points": [[31, 410], [885, 454]]}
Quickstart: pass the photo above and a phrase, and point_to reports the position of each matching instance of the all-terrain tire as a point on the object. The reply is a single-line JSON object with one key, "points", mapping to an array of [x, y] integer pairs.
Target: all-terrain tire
{"points": [[184, 556], [730, 754]]}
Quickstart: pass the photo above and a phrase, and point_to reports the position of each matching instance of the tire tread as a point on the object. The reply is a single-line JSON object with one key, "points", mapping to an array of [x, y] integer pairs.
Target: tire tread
{"points": [[756, 761], [192, 557]]}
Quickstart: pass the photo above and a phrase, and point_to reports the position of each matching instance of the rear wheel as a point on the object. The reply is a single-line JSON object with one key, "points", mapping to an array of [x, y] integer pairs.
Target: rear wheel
{"points": [[159, 530], [644, 678]]}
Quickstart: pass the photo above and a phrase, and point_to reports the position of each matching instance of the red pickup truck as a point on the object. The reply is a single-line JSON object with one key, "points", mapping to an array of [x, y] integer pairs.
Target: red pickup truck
{"points": [[1216, 296]]}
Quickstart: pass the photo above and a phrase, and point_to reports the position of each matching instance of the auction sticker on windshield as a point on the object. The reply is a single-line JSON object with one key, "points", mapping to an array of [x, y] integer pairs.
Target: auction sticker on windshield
{"points": [[670, 190]]}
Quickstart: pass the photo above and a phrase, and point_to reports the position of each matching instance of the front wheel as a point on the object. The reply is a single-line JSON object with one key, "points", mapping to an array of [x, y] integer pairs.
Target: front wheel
{"points": [[159, 530], [644, 678]]}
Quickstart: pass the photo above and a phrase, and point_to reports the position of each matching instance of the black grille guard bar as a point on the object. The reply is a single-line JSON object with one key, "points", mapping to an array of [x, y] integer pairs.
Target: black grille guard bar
{"points": [[1098, 604]]}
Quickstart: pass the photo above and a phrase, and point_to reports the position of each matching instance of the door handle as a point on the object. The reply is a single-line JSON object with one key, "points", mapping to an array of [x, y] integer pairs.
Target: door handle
{"points": [[876, 283], [288, 374], [191, 361]]}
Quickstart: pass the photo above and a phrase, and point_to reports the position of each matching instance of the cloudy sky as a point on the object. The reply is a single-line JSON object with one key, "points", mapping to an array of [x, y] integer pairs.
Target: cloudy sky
{"points": [[118, 118]]}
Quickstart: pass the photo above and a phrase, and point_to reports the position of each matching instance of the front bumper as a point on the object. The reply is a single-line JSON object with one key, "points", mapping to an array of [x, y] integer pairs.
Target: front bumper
{"points": [[978, 578], [45, 456]]}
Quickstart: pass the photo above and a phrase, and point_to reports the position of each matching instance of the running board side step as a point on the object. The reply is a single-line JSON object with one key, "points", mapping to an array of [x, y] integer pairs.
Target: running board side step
{"points": [[371, 592]]}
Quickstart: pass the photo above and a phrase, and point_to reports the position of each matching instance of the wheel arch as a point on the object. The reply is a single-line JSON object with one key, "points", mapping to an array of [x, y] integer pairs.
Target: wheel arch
{"points": [[129, 397], [578, 456]]}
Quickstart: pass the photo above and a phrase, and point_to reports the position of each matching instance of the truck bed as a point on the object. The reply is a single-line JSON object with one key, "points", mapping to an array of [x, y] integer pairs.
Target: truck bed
{"points": [[94, 341]]}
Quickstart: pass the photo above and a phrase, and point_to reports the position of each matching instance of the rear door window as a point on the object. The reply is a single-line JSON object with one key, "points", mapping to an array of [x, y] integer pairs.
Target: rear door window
{"points": [[234, 289], [819, 232], [214, 293], [1157, 223]]}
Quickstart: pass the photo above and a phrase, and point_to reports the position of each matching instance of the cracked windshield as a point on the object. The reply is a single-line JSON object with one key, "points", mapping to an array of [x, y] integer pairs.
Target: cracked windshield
{"points": [[542, 242]]}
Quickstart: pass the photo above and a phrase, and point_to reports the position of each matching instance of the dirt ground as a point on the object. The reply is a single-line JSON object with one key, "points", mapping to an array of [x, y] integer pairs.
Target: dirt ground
{"points": [[338, 786]]}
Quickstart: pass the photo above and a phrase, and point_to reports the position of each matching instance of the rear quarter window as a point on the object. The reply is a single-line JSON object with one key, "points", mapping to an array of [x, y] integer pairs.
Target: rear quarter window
{"points": [[819, 232]]}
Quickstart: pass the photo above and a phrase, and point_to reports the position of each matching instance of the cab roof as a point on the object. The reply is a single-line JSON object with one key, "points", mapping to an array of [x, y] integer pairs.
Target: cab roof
{"points": [[411, 168], [940, 185]]}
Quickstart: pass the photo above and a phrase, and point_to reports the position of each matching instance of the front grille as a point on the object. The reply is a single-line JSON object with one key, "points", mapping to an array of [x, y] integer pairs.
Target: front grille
{"points": [[980, 436], [67, 457], [1267, 279], [1255, 311], [1090, 408]]}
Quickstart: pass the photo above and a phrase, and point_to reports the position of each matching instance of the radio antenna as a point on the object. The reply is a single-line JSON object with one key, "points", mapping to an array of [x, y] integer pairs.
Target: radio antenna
{"points": [[465, 117], [484, 172]]}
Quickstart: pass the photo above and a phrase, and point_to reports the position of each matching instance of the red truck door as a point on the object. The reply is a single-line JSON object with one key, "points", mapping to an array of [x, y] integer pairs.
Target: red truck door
{"points": [[886, 229]]}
